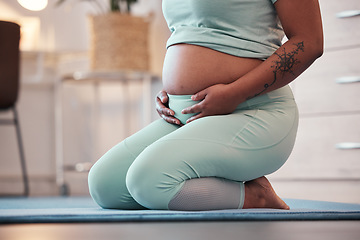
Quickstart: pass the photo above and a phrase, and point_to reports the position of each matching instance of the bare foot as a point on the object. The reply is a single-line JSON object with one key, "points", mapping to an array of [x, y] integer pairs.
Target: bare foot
{"points": [[260, 194]]}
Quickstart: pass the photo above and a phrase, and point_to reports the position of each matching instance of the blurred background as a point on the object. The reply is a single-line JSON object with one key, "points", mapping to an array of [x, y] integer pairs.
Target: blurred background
{"points": [[69, 120]]}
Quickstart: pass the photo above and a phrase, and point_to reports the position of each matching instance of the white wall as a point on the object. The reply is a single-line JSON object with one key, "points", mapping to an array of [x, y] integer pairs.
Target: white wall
{"points": [[59, 41]]}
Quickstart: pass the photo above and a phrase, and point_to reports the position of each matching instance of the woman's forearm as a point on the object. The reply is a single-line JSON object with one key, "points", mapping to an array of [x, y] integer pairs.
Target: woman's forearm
{"points": [[287, 63]]}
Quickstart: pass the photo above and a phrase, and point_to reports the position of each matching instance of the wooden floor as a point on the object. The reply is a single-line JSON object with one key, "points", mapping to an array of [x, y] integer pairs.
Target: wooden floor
{"points": [[277, 230]]}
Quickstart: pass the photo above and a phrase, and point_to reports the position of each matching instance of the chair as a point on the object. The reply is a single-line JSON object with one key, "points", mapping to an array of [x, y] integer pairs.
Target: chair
{"points": [[9, 84]]}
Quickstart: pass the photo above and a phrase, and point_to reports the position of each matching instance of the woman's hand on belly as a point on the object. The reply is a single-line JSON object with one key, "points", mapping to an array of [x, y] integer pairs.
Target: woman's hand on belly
{"points": [[165, 113], [206, 73], [215, 100]]}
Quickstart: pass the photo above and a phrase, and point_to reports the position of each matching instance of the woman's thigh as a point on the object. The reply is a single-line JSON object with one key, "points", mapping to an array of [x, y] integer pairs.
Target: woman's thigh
{"points": [[241, 146], [107, 176]]}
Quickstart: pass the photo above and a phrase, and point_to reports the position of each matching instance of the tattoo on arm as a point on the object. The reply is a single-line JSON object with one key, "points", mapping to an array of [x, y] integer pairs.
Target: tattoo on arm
{"points": [[284, 64]]}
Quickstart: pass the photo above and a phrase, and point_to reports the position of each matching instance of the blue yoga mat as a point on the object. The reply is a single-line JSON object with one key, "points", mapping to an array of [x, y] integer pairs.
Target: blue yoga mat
{"points": [[83, 209]]}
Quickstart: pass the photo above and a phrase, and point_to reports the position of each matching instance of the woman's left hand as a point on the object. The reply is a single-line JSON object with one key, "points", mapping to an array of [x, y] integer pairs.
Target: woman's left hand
{"points": [[218, 99]]}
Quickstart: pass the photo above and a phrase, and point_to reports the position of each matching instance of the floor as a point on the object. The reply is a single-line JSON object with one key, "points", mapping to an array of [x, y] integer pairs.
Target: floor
{"points": [[276, 230]]}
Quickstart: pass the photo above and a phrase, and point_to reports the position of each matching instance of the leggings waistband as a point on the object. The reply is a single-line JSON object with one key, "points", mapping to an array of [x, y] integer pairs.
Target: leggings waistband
{"points": [[178, 102], [278, 95]]}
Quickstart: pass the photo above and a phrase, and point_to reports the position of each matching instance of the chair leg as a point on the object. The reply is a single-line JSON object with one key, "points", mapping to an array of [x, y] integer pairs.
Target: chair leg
{"points": [[21, 152]]}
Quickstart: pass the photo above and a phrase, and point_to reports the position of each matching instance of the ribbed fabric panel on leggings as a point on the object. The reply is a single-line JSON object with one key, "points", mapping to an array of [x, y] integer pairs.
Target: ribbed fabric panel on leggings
{"points": [[209, 193]]}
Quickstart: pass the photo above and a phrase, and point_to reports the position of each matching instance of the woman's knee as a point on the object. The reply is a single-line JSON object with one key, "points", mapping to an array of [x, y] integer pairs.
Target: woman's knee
{"points": [[148, 182], [97, 182], [141, 183], [101, 186], [107, 187]]}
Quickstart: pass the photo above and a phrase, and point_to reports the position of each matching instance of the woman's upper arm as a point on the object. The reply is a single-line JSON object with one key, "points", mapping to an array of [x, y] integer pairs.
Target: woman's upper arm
{"points": [[301, 18]]}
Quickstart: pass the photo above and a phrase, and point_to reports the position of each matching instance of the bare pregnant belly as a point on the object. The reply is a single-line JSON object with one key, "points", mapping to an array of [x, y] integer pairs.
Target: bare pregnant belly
{"points": [[189, 69]]}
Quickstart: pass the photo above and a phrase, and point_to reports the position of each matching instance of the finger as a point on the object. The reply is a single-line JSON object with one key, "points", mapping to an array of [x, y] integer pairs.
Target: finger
{"points": [[162, 109], [172, 120], [197, 116], [162, 95], [158, 101], [165, 111], [193, 109], [199, 96]]}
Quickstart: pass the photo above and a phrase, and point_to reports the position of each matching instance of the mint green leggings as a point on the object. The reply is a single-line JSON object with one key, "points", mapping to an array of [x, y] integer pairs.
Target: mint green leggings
{"points": [[202, 165]]}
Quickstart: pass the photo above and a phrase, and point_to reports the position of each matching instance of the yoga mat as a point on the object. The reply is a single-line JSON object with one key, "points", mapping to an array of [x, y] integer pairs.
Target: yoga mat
{"points": [[83, 209]]}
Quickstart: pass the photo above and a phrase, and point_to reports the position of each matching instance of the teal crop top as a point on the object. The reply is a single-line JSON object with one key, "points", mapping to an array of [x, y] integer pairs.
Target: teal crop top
{"points": [[244, 28]]}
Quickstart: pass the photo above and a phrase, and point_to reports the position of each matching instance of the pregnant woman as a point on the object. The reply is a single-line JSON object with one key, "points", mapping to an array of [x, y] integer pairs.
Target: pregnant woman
{"points": [[228, 115]]}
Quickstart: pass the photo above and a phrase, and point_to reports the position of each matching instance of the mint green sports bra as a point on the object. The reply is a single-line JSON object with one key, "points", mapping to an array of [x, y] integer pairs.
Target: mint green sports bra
{"points": [[244, 28]]}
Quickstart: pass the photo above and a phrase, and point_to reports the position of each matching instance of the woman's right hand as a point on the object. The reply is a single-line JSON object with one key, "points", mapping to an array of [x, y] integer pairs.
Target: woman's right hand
{"points": [[162, 107]]}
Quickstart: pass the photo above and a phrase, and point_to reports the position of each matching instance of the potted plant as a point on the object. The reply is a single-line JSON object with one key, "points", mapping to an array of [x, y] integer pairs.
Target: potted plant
{"points": [[119, 40]]}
